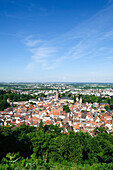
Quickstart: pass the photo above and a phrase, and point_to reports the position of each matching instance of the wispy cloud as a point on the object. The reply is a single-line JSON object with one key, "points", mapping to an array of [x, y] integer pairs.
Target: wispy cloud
{"points": [[30, 42], [42, 53], [90, 39], [109, 58]]}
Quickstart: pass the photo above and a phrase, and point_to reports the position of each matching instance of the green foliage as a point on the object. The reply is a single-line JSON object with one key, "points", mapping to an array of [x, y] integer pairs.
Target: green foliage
{"points": [[66, 108], [32, 103], [107, 108], [82, 110], [90, 98], [3, 104], [42, 95], [34, 163], [27, 147], [11, 158], [41, 124], [100, 130], [13, 97], [93, 99], [67, 94]]}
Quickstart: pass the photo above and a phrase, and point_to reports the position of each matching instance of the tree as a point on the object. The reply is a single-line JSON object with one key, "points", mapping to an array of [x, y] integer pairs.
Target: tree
{"points": [[41, 124], [100, 130], [106, 107], [66, 108]]}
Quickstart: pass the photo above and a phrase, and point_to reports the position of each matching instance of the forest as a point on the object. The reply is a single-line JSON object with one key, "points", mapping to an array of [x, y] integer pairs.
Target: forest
{"points": [[47, 147]]}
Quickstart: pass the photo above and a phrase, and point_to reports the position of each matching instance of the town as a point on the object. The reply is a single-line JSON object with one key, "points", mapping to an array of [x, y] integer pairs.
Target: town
{"points": [[61, 104]]}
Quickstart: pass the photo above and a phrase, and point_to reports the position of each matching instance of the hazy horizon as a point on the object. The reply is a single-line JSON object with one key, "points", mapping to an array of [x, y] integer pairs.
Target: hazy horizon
{"points": [[33, 82]]}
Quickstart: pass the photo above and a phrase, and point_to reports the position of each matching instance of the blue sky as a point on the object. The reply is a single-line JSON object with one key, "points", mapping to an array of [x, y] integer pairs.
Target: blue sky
{"points": [[56, 40]]}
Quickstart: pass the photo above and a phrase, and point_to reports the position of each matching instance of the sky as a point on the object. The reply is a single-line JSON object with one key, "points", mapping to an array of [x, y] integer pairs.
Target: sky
{"points": [[56, 40]]}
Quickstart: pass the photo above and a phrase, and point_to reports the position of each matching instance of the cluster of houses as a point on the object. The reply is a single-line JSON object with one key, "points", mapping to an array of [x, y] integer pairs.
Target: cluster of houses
{"points": [[63, 89], [107, 92], [82, 116]]}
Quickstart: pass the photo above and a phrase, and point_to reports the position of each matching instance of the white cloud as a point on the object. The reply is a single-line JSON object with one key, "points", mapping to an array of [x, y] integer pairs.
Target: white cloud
{"points": [[90, 39], [42, 53], [30, 42]]}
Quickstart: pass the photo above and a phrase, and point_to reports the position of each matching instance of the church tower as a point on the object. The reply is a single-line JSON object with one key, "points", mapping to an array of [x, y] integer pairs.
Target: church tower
{"points": [[57, 95], [80, 100], [77, 99]]}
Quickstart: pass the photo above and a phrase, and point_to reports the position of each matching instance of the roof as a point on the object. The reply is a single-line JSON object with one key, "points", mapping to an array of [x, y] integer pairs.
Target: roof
{"points": [[104, 104], [67, 98], [83, 115]]}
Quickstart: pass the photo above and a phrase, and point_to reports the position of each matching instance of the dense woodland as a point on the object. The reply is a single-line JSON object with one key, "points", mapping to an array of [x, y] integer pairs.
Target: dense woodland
{"points": [[47, 147]]}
